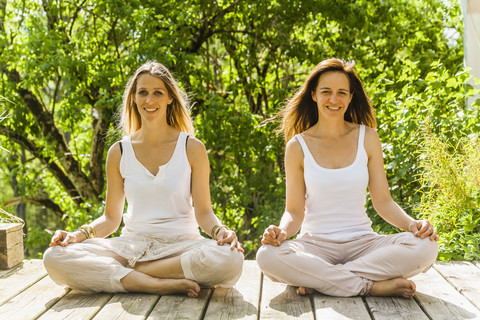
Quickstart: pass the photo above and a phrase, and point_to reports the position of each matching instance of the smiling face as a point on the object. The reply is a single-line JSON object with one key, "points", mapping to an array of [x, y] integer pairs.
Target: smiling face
{"points": [[332, 94], [151, 97]]}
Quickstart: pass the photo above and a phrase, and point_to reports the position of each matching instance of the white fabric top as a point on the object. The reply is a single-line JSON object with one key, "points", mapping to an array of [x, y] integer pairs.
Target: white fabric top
{"points": [[158, 204], [335, 198]]}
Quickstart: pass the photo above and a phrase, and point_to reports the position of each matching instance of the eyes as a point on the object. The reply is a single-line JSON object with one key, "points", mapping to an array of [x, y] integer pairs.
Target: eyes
{"points": [[328, 92], [145, 93]]}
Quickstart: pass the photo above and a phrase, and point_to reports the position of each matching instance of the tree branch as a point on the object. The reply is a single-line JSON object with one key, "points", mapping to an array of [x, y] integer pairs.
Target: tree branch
{"points": [[52, 166], [39, 201], [44, 119], [206, 29]]}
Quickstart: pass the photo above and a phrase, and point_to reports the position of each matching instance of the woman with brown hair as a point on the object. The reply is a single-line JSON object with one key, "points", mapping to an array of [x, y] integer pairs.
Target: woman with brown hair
{"points": [[333, 154], [159, 167]]}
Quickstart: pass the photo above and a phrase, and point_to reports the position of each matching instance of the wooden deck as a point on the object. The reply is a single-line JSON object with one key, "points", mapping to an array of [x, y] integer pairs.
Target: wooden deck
{"points": [[447, 291]]}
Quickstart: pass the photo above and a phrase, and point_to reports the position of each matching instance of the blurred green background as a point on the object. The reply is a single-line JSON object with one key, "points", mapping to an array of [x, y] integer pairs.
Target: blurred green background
{"points": [[64, 65]]}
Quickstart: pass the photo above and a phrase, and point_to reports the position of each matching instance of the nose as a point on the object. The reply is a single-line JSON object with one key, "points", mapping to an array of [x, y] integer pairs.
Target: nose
{"points": [[149, 98], [333, 97]]}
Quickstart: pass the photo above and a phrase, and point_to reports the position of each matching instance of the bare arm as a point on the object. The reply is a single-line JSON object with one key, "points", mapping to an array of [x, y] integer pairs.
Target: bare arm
{"points": [[115, 200], [206, 219], [295, 201], [382, 200]]}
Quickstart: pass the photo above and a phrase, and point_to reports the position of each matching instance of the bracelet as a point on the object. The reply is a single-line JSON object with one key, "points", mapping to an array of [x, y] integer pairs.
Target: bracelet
{"points": [[84, 232], [217, 228], [89, 231]]}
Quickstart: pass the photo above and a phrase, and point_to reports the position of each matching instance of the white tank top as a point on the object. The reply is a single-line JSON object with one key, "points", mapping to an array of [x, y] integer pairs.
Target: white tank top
{"points": [[335, 198], [158, 204]]}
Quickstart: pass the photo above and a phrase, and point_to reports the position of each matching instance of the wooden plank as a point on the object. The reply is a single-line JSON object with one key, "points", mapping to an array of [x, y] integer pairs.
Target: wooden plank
{"points": [[391, 308], [34, 301], [241, 301], [181, 307], [336, 308], [280, 301], [440, 300], [77, 305], [24, 276], [464, 276], [128, 306]]}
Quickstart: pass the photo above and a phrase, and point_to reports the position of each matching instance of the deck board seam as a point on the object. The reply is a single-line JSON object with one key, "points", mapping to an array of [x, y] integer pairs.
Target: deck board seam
{"points": [[22, 290], [150, 310], [367, 306], [102, 306], [312, 305], [59, 298], [455, 287], [259, 308], [422, 307], [207, 303]]}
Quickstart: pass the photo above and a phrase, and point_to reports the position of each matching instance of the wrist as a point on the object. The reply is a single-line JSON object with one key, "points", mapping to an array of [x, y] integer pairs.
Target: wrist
{"points": [[88, 231], [81, 235], [284, 229], [216, 229]]}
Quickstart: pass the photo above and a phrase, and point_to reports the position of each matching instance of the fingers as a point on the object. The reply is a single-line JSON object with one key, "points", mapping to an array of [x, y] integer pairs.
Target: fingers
{"points": [[274, 235], [57, 238], [425, 229], [229, 236], [68, 239], [281, 237], [63, 238]]}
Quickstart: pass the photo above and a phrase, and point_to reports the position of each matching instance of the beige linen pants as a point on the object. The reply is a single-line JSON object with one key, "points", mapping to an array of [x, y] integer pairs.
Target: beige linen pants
{"points": [[346, 268], [98, 265]]}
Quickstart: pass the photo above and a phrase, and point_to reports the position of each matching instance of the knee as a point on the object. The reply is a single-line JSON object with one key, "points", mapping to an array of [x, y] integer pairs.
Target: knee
{"points": [[213, 265], [266, 257], [426, 249], [51, 259], [227, 259]]}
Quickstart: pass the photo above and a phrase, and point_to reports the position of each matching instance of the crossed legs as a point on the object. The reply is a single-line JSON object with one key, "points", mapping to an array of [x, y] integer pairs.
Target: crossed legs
{"points": [[374, 265]]}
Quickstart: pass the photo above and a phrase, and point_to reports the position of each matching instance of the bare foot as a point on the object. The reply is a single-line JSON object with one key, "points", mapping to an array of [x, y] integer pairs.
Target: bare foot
{"points": [[394, 287], [302, 291], [173, 286]]}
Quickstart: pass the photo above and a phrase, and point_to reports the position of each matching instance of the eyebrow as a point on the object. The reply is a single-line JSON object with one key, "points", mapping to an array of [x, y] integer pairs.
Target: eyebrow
{"points": [[323, 88], [164, 89]]}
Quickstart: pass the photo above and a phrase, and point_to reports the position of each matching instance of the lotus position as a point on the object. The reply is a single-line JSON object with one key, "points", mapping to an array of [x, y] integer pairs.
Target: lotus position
{"points": [[159, 167], [333, 155]]}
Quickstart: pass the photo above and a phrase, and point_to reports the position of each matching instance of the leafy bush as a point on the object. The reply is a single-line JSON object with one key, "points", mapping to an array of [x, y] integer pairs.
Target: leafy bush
{"points": [[451, 194]]}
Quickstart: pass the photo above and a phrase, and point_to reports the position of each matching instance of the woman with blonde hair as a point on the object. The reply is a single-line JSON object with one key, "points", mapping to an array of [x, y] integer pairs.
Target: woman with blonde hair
{"points": [[159, 167], [332, 156]]}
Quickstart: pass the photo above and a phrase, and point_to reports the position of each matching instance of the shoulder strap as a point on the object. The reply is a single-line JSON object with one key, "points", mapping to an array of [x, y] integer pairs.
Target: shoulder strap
{"points": [[120, 145], [303, 144], [361, 134]]}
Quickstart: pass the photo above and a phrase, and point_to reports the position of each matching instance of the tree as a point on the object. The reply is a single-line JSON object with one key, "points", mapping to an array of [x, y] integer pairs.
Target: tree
{"points": [[64, 65]]}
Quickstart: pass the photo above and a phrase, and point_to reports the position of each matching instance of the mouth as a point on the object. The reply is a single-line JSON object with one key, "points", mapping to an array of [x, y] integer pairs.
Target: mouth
{"points": [[333, 108], [150, 109]]}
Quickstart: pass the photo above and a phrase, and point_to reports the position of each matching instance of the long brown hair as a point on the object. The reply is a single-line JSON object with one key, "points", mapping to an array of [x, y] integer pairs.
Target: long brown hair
{"points": [[301, 112], [178, 113]]}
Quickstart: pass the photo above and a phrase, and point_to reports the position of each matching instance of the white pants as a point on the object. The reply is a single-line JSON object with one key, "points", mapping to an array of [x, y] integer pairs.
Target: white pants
{"points": [[98, 265], [346, 268]]}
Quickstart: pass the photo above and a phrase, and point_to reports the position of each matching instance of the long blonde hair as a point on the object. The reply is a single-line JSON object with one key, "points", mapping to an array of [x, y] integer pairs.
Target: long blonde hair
{"points": [[178, 113], [301, 112]]}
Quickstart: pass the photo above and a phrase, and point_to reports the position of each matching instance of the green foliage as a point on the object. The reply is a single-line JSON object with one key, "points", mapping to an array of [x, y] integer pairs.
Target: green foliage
{"points": [[451, 194], [246, 183], [239, 60]]}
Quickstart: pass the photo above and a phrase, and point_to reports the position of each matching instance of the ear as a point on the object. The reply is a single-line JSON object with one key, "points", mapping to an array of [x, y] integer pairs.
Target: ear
{"points": [[351, 97], [170, 101], [314, 97]]}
